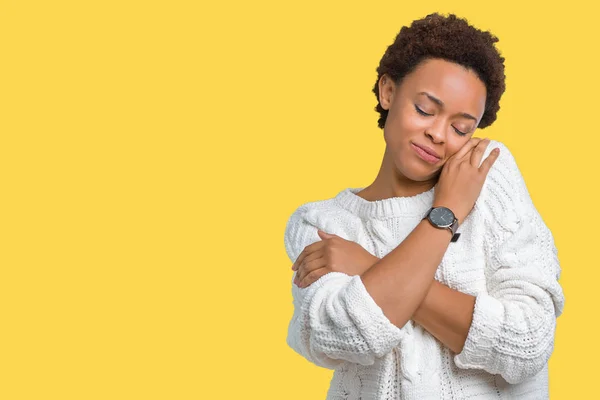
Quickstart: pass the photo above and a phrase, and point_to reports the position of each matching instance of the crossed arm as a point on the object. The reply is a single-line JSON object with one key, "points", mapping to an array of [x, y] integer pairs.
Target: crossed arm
{"points": [[446, 314], [402, 284], [507, 330]]}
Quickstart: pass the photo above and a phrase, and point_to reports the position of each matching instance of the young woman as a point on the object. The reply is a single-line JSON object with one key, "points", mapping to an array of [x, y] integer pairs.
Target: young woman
{"points": [[440, 279]]}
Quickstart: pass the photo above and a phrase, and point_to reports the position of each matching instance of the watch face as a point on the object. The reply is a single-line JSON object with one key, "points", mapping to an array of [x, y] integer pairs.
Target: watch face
{"points": [[442, 216]]}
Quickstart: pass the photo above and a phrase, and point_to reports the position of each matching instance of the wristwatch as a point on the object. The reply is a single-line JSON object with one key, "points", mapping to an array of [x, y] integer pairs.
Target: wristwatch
{"points": [[443, 218]]}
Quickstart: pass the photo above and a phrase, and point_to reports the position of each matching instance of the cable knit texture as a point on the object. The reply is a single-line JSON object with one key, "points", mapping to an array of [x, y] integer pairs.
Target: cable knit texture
{"points": [[505, 257]]}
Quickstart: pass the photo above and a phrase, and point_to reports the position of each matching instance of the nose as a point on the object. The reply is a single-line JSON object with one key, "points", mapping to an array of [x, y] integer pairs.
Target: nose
{"points": [[437, 131]]}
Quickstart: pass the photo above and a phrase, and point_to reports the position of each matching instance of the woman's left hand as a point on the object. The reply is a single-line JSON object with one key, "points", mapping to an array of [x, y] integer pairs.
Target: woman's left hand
{"points": [[332, 254]]}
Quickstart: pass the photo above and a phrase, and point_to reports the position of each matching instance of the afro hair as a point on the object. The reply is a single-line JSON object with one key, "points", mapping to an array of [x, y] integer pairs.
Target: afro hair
{"points": [[452, 39]]}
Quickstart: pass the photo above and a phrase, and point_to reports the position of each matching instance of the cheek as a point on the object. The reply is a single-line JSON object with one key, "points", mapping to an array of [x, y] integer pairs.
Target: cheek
{"points": [[401, 126], [457, 143], [411, 121]]}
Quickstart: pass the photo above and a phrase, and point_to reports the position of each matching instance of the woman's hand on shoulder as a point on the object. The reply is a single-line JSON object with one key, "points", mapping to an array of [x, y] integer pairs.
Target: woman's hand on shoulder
{"points": [[331, 254]]}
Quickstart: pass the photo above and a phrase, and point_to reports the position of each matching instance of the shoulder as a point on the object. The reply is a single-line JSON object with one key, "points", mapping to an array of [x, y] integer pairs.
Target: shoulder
{"points": [[505, 170], [326, 215], [504, 195], [301, 227]]}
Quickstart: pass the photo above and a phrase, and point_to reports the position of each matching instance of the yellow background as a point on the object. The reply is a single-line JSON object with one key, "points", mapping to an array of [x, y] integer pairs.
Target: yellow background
{"points": [[152, 151]]}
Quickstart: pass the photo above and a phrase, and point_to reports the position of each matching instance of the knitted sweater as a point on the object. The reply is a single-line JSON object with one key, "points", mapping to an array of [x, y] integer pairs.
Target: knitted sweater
{"points": [[505, 257]]}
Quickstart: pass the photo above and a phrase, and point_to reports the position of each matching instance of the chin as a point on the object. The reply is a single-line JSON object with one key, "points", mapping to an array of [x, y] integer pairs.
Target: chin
{"points": [[420, 173], [414, 174]]}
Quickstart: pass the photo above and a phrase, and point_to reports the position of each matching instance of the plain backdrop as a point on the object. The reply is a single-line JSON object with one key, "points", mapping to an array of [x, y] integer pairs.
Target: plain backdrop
{"points": [[152, 151]]}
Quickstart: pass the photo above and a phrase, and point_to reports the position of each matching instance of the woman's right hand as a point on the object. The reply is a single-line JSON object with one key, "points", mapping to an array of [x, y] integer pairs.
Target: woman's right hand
{"points": [[461, 179]]}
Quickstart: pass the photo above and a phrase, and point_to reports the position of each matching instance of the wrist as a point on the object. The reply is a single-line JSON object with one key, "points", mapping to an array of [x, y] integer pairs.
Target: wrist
{"points": [[372, 261], [447, 231], [442, 217]]}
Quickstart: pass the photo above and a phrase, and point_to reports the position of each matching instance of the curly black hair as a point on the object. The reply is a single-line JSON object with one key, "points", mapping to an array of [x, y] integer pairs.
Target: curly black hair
{"points": [[450, 38]]}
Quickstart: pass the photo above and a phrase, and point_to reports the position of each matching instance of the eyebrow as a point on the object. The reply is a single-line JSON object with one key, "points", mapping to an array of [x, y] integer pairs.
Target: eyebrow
{"points": [[441, 104]]}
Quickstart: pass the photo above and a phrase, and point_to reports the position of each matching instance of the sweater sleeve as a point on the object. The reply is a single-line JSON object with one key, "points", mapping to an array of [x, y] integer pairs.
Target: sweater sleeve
{"points": [[513, 326], [335, 320]]}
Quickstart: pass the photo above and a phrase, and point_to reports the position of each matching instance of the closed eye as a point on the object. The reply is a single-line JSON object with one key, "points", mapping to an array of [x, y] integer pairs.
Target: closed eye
{"points": [[429, 115], [421, 111]]}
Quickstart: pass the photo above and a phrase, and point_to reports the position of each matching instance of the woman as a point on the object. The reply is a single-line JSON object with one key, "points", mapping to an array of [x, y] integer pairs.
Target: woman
{"points": [[440, 279]]}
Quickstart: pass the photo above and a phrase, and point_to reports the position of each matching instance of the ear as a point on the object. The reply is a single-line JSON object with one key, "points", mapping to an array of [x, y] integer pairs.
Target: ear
{"points": [[386, 91]]}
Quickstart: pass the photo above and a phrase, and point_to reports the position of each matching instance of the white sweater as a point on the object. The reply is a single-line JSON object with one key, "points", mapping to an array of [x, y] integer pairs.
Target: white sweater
{"points": [[505, 256]]}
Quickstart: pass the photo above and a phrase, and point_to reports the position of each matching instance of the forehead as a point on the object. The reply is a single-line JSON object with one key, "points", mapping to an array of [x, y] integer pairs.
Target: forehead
{"points": [[458, 87]]}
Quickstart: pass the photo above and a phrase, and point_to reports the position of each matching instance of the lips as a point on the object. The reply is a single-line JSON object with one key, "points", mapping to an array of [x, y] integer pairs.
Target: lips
{"points": [[428, 150], [424, 155]]}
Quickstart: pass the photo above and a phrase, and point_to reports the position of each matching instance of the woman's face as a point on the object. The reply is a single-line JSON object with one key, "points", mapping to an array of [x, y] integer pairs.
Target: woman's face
{"points": [[438, 105]]}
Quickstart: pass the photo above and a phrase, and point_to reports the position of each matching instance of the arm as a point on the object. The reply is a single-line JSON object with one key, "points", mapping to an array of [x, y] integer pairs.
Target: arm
{"points": [[400, 280], [446, 314], [358, 318], [513, 326], [335, 320], [510, 329]]}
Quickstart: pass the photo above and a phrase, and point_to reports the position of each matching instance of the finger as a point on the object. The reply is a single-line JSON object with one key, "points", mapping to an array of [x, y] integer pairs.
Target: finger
{"points": [[324, 235], [312, 277], [312, 256], [307, 268], [478, 151], [310, 266], [467, 147], [306, 251], [486, 165]]}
